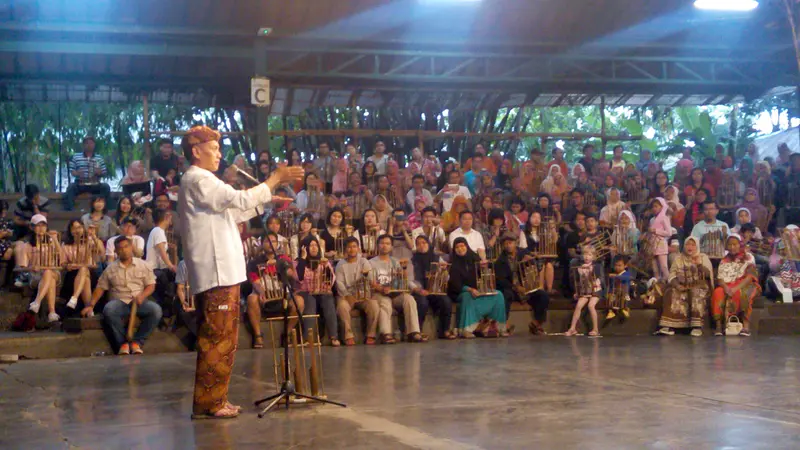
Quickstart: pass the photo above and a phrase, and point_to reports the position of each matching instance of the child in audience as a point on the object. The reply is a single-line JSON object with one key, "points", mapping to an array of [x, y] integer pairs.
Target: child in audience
{"points": [[588, 287], [619, 291]]}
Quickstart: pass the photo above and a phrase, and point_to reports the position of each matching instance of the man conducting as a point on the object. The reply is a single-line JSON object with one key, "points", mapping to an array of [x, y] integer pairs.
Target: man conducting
{"points": [[209, 211]]}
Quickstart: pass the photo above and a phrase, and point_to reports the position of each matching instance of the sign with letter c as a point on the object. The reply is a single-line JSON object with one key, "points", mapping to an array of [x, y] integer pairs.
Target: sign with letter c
{"points": [[259, 91]]}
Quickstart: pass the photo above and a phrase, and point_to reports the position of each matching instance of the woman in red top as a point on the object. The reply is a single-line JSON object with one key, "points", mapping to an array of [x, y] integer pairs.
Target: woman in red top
{"points": [[698, 180]]}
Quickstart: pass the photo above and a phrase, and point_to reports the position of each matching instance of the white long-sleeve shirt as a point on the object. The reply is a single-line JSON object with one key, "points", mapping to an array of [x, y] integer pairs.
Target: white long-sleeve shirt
{"points": [[209, 211]]}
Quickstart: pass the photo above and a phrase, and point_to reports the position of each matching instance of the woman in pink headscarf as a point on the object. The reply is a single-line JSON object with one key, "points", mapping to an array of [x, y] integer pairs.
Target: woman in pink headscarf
{"points": [[340, 177], [135, 173], [661, 228]]}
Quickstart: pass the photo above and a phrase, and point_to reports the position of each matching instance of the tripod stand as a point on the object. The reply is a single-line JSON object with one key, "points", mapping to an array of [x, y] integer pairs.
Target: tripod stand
{"points": [[288, 388]]}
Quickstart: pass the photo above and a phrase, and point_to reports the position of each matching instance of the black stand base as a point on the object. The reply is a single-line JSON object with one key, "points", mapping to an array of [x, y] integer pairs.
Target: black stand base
{"points": [[287, 390]]}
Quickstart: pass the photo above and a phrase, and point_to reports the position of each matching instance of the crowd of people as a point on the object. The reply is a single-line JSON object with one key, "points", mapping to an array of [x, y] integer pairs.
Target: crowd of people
{"points": [[365, 233]]}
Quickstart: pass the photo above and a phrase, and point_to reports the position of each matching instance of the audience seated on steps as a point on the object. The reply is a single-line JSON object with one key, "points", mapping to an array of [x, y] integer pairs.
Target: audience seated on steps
{"points": [[618, 188]]}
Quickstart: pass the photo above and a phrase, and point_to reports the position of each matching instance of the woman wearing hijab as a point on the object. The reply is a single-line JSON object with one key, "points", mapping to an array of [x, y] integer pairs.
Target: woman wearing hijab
{"points": [[661, 228], [691, 281], [678, 216], [504, 175], [472, 307], [423, 260], [737, 287], [450, 218], [310, 267], [744, 216], [135, 174], [576, 172], [555, 185], [759, 214], [614, 206]]}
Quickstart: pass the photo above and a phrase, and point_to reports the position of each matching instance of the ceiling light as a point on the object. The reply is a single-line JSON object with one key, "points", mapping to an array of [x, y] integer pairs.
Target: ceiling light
{"points": [[726, 5]]}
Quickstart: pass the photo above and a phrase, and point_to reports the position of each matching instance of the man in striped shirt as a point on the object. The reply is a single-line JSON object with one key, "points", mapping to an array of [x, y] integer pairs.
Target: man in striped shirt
{"points": [[87, 169]]}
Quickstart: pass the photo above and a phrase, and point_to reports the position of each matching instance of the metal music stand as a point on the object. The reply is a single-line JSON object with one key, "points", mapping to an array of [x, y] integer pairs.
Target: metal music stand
{"points": [[288, 389]]}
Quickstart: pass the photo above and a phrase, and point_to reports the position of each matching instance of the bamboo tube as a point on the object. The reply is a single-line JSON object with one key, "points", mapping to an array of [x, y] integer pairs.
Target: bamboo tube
{"points": [[131, 319], [313, 375], [298, 374]]}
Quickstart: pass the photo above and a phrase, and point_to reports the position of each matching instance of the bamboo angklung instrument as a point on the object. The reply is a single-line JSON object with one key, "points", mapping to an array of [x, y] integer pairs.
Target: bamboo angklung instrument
{"points": [[623, 241], [338, 241], [713, 242], [46, 254], [791, 245], [635, 195], [369, 243], [438, 278], [766, 192], [485, 277], [273, 288], [399, 278], [528, 276], [726, 192], [316, 202], [548, 240], [363, 288], [585, 280], [601, 245], [288, 223], [321, 277], [617, 293]]}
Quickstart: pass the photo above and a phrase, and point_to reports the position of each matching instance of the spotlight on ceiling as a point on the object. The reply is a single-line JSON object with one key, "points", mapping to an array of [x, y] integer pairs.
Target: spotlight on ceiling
{"points": [[726, 5]]}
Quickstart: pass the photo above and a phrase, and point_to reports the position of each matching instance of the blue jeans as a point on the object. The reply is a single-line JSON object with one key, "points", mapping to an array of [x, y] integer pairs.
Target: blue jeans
{"points": [[75, 189], [149, 313]]}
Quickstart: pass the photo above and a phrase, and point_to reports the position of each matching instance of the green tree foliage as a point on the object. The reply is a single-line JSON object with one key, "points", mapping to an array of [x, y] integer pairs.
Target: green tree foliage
{"points": [[36, 139]]}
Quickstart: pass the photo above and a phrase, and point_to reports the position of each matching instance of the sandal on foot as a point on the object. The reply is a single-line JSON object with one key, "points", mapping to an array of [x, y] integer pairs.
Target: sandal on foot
{"points": [[224, 413], [236, 408], [745, 333], [349, 342], [258, 341], [370, 341], [467, 335], [594, 334], [387, 339], [449, 335], [571, 333], [417, 337], [336, 343]]}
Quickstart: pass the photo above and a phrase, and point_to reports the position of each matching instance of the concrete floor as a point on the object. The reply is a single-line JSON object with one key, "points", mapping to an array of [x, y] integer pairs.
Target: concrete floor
{"points": [[524, 392]]}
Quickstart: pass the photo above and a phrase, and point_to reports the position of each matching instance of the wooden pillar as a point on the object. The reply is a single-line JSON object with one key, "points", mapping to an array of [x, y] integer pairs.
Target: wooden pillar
{"points": [[262, 114], [146, 122], [603, 125]]}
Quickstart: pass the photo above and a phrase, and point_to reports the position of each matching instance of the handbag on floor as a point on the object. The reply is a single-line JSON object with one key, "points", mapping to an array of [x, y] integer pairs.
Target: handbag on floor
{"points": [[733, 327], [25, 321]]}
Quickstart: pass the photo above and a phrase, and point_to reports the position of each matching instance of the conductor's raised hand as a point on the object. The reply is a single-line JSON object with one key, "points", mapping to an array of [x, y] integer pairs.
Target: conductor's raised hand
{"points": [[285, 174]]}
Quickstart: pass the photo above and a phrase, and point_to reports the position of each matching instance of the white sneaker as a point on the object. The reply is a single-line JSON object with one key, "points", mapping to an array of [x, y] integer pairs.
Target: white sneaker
{"points": [[72, 303], [34, 307], [53, 317], [666, 331], [697, 332]]}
